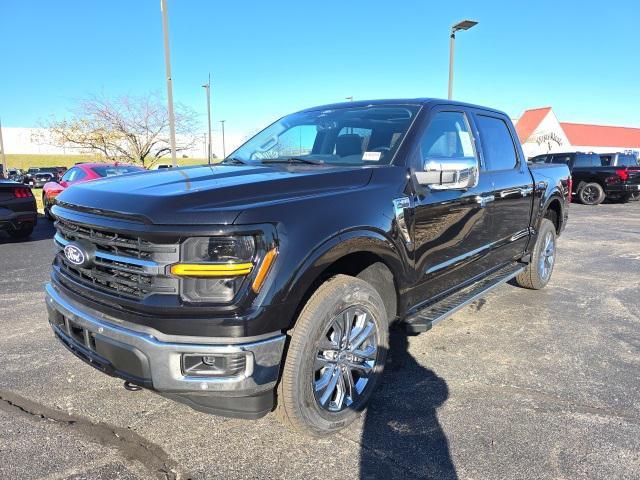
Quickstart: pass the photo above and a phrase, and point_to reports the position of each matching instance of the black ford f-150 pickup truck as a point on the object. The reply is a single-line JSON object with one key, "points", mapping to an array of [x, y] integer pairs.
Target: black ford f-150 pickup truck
{"points": [[594, 179], [270, 280]]}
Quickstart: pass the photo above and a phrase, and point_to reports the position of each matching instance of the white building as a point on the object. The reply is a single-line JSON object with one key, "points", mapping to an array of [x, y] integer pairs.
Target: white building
{"points": [[540, 132]]}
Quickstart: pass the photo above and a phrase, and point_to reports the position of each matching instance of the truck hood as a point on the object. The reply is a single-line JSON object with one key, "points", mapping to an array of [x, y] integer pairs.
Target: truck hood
{"points": [[210, 194]]}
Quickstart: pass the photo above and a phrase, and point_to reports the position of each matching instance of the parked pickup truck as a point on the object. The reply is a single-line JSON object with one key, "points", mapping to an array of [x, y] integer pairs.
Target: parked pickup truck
{"points": [[269, 281], [593, 181]]}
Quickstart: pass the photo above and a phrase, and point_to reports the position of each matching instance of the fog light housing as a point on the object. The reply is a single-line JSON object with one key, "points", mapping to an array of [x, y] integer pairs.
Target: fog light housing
{"points": [[214, 364]]}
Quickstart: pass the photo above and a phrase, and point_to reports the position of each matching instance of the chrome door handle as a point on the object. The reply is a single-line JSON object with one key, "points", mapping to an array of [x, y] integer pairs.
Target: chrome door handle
{"points": [[526, 191], [483, 200]]}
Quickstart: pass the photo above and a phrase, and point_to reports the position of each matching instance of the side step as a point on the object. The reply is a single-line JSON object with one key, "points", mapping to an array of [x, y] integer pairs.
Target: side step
{"points": [[424, 319]]}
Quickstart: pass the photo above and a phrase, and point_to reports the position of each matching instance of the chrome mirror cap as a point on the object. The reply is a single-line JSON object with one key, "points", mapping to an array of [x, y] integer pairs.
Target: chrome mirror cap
{"points": [[449, 173]]}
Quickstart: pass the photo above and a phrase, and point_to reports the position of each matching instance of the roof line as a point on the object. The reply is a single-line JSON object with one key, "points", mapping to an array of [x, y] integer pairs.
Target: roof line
{"points": [[599, 125]]}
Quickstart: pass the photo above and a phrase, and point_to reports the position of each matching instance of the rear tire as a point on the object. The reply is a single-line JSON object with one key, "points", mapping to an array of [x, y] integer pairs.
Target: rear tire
{"points": [[23, 231], [329, 376], [591, 194], [538, 272]]}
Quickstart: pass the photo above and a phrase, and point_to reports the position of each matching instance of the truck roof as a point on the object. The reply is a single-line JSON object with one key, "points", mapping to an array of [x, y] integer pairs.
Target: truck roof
{"points": [[399, 101]]}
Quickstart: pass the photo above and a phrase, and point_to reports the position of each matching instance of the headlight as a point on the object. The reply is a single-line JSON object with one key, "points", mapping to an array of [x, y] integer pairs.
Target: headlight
{"points": [[214, 268]]}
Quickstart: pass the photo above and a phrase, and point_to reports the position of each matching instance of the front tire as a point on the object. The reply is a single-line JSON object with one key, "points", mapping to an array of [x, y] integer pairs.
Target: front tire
{"points": [[538, 272], [335, 359], [591, 194]]}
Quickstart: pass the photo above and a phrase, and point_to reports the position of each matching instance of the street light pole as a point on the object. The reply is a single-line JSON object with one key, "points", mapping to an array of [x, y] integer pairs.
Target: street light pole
{"points": [[464, 25], [207, 88], [224, 149], [167, 62], [4, 157]]}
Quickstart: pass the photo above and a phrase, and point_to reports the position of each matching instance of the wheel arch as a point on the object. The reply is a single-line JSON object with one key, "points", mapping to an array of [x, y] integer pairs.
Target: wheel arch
{"points": [[365, 254]]}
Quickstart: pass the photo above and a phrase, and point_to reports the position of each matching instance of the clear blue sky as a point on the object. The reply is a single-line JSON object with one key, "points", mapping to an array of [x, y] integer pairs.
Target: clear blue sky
{"points": [[271, 58]]}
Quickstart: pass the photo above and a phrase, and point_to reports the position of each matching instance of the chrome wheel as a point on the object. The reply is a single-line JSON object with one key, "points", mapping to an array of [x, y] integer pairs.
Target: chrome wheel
{"points": [[547, 256], [345, 359]]}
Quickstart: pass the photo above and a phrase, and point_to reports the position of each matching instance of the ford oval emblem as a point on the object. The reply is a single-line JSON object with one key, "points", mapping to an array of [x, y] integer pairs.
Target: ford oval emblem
{"points": [[75, 254]]}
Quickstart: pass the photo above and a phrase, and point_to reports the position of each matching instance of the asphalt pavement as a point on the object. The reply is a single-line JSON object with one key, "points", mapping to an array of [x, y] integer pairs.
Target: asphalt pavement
{"points": [[520, 385]]}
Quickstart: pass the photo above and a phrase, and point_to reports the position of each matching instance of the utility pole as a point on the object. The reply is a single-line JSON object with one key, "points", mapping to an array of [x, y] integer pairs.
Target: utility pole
{"points": [[167, 62], [464, 25], [4, 157], [207, 88], [224, 149]]}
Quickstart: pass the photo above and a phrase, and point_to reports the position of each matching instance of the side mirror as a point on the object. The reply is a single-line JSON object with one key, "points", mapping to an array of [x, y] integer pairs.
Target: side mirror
{"points": [[449, 173]]}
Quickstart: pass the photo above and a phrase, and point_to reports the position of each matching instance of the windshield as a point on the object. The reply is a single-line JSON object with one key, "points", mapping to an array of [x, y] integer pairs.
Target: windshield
{"points": [[343, 136], [112, 170]]}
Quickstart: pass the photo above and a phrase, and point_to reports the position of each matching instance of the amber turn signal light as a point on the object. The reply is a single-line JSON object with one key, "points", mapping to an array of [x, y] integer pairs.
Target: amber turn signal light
{"points": [[265, 266]]}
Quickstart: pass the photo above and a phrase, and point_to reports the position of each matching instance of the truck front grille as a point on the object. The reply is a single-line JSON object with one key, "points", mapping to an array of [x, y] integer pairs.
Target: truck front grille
{"points": [[126, 266]]}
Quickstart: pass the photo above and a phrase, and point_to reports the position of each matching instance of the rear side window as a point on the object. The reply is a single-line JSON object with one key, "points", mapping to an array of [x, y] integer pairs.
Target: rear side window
{"points": [[588, 160], [497, 144], [448, 136], [73, 175]]}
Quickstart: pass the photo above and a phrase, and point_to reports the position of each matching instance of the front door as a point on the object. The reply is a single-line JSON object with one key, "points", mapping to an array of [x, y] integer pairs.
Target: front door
{"points": [[451, 228]]}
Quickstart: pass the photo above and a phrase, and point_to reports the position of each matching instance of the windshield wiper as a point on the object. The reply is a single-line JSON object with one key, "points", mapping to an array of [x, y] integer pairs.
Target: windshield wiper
{"points": [[293, 160], [235, 160]]}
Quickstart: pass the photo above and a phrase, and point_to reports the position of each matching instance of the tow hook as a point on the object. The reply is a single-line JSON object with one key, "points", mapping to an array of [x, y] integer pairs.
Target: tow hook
{"points": [[131, 387]]}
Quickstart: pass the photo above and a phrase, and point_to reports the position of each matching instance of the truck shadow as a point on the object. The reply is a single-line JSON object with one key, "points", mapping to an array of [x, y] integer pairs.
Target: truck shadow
{"points": [[402, 437]]}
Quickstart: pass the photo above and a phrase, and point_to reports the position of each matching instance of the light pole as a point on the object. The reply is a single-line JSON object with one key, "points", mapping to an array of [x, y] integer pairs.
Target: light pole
{"points": [[463, 25], [4, 157], [167, 63], [224, 148], [207, 88]]}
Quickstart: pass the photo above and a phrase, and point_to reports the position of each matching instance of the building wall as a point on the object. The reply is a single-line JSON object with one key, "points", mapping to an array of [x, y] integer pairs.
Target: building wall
{"points": [[548, 137]]}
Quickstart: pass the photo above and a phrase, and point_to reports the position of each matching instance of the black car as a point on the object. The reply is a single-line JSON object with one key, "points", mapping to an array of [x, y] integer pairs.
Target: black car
{"points": [[15, 174], [18, 211], [593, 181], [37, 177], [281, 268]]}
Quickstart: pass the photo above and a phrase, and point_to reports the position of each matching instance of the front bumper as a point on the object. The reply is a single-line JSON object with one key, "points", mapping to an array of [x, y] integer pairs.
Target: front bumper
{"points": [[124, 350]]}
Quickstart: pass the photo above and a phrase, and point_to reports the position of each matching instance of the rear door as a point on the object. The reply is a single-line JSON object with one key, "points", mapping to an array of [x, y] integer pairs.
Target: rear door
{"points": [[505, 168], [451, 228]]}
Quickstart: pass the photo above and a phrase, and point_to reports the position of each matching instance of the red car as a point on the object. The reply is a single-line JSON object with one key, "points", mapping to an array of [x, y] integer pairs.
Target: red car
{"points": [[83, 172]]}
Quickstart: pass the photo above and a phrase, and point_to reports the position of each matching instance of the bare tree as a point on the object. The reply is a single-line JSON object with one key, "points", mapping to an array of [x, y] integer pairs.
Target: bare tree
{"points": [[126, 127]]}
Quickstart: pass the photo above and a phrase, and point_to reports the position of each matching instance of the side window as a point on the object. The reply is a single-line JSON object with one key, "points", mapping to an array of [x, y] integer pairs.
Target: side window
{"points": [[448, 136], [566, 159], [70, 175], [587, 161], [73, 175], [497, 144]]}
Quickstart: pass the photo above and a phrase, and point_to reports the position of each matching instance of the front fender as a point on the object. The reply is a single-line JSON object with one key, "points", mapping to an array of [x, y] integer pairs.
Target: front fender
{"points": [[306, 275]]}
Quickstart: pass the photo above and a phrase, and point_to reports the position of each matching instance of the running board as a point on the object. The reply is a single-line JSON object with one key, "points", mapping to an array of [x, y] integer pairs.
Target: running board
{"points": [[426, 318]]}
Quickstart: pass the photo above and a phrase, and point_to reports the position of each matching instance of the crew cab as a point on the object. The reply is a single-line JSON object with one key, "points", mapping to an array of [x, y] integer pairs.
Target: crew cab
{"points": [[269, 281], [593, 181], [18, 212]]}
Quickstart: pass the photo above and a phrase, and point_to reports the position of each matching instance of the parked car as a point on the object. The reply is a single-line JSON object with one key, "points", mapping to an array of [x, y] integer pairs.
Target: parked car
{"points": [[18, 212], [37, 177], [79, 173], [284, 265], [593, 182], [15, 174]]}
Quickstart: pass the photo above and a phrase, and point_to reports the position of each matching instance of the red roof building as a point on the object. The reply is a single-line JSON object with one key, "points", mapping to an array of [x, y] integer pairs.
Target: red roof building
{"points": [[540, 132]]}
